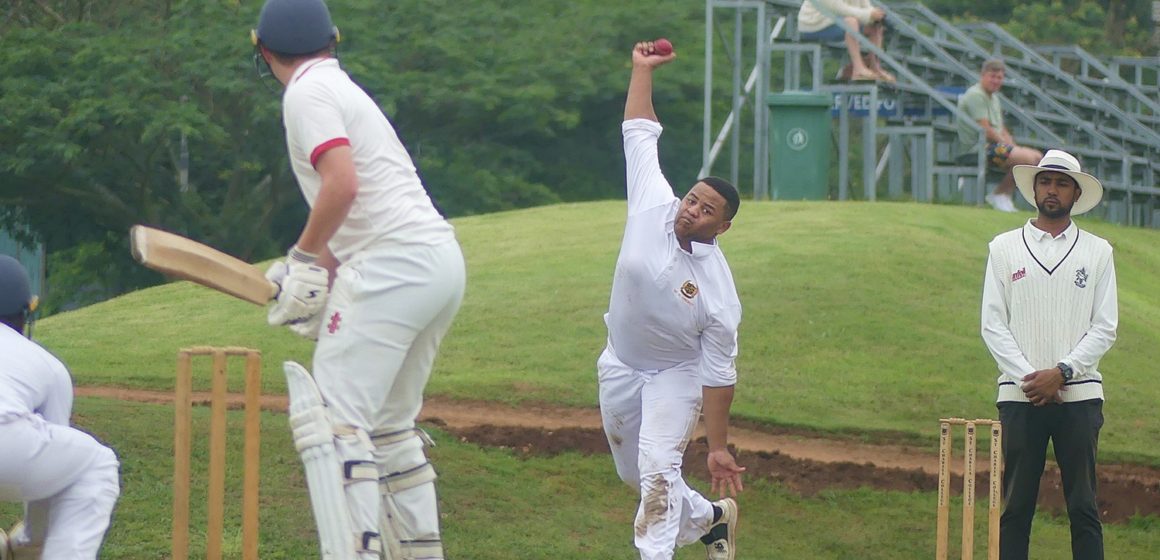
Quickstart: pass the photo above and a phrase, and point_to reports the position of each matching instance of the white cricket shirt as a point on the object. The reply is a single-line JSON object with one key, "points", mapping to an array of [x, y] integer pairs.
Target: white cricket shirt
{"points": [[32, 381], [1048, 300], [323, 108], [669, 308]]}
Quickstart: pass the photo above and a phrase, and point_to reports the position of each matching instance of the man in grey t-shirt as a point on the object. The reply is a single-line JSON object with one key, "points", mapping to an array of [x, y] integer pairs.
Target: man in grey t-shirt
{"points": [[980, 104]]}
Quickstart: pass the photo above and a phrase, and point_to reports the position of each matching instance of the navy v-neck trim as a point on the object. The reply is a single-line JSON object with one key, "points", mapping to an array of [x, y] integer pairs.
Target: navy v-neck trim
{"points": [[1041, 265]]}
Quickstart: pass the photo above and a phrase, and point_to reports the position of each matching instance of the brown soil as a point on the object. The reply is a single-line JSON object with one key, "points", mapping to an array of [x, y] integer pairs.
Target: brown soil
{"points": [[800, 461]]}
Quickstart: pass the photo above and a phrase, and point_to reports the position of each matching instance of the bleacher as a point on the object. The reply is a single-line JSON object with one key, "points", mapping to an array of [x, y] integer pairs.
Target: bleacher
{"points": [[1104, 111]]}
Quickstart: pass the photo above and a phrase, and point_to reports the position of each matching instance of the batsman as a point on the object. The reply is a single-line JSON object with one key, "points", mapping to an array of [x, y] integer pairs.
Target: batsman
{"points": [[376, 277]]}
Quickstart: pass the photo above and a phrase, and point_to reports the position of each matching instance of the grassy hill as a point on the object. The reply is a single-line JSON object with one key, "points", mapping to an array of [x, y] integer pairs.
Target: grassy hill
{"points": [[858, 317]]}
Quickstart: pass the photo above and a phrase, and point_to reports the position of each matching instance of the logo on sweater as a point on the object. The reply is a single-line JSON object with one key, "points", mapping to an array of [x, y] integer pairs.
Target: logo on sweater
{"points": [[689, 289], [1081, 277], [335, 320], [1019, 274]]}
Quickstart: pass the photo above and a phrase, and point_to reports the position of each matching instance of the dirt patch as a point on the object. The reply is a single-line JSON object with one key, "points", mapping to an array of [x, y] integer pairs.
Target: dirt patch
{"points": [[802, 462]]}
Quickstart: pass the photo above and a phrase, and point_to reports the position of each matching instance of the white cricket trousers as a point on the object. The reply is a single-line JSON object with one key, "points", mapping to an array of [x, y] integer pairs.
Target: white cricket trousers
{"points": [[387, 314], [649, 417], [68, 481]]}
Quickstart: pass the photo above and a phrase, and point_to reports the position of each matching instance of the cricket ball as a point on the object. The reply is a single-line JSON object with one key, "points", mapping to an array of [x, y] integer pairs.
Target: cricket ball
{"points": [[662, 47]]}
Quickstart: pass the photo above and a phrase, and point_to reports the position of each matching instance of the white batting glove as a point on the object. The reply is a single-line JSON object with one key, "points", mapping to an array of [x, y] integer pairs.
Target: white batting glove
{"points": [[303, 295], [309, 328], [278, 271]]}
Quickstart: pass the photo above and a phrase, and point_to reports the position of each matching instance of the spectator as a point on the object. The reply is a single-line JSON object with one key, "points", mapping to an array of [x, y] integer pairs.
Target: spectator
{"points": [[980, 104], [858, 14]]}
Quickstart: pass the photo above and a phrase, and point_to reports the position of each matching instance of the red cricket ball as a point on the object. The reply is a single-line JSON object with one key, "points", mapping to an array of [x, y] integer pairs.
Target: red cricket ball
{"points": [[662, 47]]}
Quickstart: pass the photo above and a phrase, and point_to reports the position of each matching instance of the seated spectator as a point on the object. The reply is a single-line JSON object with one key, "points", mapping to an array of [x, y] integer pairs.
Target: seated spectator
{"points": [[980, 104], [857, 14]]}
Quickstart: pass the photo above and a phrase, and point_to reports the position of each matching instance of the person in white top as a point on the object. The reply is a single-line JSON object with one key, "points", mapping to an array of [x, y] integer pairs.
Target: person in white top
{"points": [[860, 15], [398, 280], [672, 340], [67, 480], [1049, 313]]}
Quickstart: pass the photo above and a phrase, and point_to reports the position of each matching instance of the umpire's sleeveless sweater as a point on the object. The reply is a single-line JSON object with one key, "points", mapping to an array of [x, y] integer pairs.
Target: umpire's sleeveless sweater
{"points": [[1050, 304]]}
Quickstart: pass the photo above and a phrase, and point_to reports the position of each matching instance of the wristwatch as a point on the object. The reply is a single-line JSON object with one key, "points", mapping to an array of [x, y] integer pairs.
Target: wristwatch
{"points": [[1066, 371]]}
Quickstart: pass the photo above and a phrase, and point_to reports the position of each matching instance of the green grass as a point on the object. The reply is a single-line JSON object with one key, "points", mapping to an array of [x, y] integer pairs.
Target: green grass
{"points": [[496, 506], [858, 318]]}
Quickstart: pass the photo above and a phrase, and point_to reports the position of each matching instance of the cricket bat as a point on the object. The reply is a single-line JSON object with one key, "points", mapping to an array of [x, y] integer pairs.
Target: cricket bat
{"points": [[179, 257]]}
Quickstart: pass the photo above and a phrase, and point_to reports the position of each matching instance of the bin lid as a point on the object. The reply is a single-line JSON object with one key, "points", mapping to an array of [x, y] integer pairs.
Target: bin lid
{"points": [[799, 99]]}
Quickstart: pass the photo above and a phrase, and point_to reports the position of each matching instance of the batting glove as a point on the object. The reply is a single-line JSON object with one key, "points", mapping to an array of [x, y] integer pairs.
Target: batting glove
{"points": [[309, 328], [278, 271], [303, 295]]}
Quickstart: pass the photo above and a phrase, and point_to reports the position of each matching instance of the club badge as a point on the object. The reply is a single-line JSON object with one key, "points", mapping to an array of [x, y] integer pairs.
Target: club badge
{"points": [[689, 289], [335, 320], [1081, 277]]}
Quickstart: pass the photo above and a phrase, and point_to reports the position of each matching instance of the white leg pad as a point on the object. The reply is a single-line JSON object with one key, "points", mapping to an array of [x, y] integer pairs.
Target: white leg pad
{"points": [[410, 516], [314, 438]]}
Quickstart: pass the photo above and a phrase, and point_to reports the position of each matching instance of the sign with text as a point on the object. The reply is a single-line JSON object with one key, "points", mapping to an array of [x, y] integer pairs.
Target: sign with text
{"points": [[858, 105]]}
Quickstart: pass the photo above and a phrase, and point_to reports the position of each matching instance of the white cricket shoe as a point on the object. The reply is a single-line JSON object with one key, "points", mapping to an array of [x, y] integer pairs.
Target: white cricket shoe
{"points": [[1001, 202], [720, 541]]}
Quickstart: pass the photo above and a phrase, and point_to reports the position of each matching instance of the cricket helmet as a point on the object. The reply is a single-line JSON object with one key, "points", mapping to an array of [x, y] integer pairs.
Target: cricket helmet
{"points": [[15, 291], [294, 27]]}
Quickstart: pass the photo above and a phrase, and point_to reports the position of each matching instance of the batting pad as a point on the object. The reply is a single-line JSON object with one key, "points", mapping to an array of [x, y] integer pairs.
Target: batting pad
{"points": [[314, 439]]}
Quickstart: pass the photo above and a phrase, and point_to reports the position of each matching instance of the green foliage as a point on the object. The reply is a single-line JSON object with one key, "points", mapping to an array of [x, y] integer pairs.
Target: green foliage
{"points": [[502, 104], [1102, 27], [94, 114]]}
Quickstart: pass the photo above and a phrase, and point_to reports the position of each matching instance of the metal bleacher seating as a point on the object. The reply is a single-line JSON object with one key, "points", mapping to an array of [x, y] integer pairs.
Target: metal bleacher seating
{"points": [[1106, 112]]}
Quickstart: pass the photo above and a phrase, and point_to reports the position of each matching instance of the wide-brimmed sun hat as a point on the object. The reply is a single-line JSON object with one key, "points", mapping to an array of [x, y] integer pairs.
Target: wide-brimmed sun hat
{"points": [[1058, 160]]}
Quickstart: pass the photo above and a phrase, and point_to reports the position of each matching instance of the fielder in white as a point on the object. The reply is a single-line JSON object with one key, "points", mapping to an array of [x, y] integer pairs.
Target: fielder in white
{"points": [[398, 279], [68, 481], [672, 340]]}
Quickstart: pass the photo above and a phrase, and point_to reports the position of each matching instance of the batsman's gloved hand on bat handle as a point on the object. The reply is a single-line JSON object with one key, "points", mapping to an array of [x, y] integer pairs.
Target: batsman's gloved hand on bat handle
{"points": [[277, 271], [302, 297]]}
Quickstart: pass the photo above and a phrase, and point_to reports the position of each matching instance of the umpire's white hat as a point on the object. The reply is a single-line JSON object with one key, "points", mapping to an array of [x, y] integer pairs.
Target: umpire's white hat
{"points": [[1091, 191]]}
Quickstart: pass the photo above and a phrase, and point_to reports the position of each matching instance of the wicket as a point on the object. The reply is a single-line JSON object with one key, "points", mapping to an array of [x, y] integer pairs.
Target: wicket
{"points": [[944, 476], [183, 407]]}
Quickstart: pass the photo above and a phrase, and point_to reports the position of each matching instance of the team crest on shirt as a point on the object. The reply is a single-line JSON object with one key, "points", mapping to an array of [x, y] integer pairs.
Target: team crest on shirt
{"points": [[1019, 274], [689, 289], [335, 321], [1081, 277]]}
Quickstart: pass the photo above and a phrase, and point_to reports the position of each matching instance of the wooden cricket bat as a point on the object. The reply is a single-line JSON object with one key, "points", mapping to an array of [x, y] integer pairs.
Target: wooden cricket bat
{"points": [[179, 257]]}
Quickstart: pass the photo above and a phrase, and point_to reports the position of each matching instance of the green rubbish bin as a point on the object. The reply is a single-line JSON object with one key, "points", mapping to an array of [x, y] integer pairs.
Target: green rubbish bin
{"points": [[799, 145]]}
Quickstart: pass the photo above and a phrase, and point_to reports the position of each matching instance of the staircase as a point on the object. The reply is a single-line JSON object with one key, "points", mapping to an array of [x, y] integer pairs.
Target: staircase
{"points": [[1105, 112]]}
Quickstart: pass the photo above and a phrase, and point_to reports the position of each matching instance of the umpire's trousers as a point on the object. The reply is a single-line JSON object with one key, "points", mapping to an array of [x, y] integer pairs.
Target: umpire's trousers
{"points": [[1074, 430]]}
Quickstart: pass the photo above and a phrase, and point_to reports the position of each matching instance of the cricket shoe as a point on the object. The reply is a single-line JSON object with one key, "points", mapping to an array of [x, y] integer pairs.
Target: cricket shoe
{"points": [[1001, 202], [720, 541]]}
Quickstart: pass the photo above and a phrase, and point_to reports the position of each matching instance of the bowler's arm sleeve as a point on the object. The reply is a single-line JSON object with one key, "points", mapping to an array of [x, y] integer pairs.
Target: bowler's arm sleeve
{"points": [[646, 184], [995, 328], [1105, 318], [719, 349]]}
